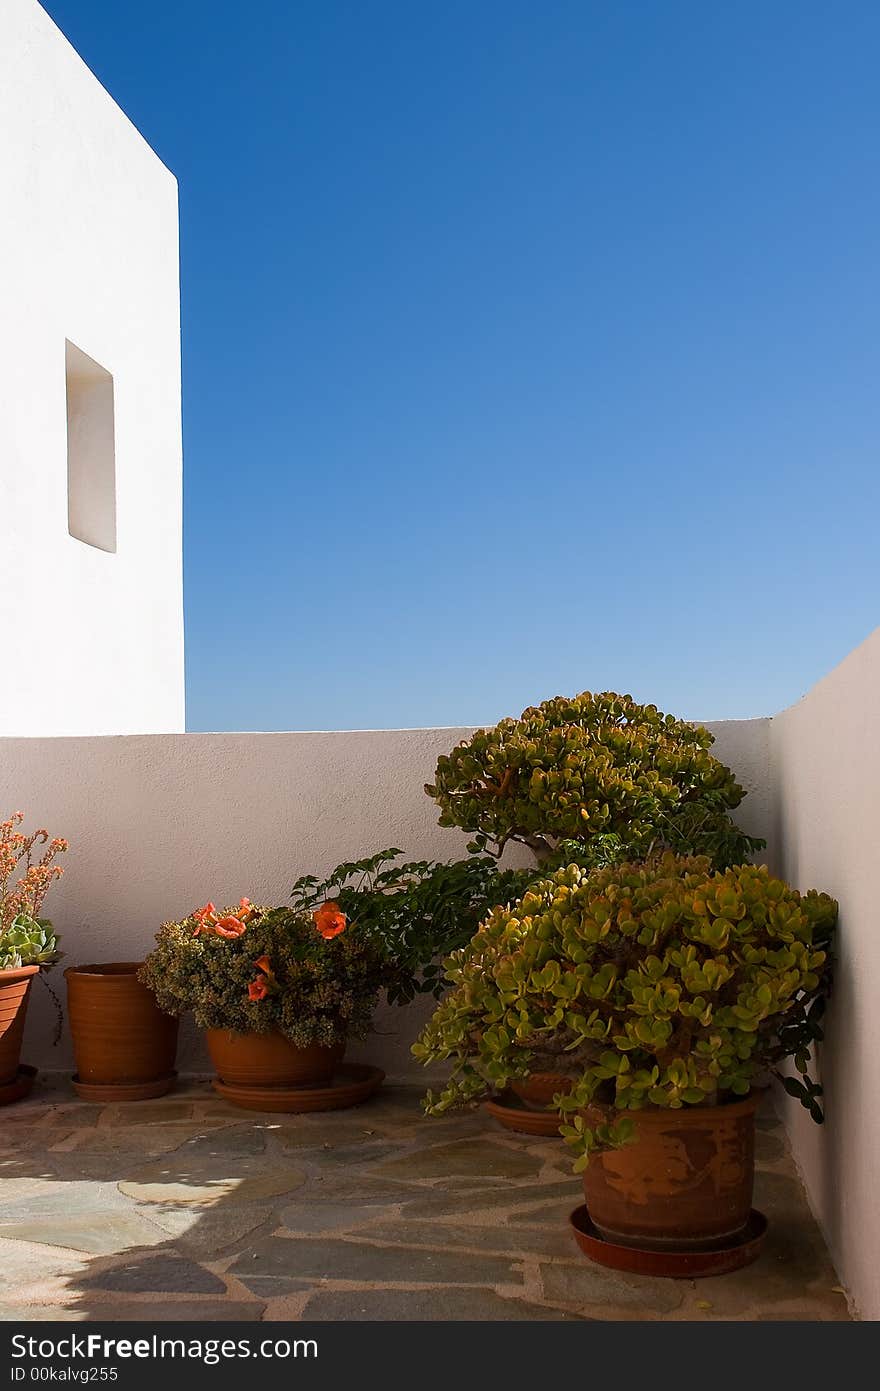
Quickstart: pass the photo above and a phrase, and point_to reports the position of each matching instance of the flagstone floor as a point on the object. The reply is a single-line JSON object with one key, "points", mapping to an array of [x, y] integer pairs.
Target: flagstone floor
{"points": [[186, 1208]]}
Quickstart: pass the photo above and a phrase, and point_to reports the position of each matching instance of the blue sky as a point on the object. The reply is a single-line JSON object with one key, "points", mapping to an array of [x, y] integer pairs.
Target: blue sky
{"points": [[528, 347]]}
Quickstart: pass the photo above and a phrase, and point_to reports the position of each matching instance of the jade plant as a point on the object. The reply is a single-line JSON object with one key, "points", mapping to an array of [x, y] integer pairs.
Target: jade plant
{"points": [[592, 779], [26, 938], [415, 913], [314, 978], [662, 983]]}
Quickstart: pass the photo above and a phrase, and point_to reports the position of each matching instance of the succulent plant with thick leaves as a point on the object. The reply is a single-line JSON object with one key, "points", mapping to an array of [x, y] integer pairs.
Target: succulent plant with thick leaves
{"points": [[26, 938], [602, 771], [28, 941], [662, 983]]}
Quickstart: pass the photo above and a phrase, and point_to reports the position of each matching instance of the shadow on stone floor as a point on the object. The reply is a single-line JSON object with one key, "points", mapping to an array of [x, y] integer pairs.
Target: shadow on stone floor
{"points": [[186, 1208]]}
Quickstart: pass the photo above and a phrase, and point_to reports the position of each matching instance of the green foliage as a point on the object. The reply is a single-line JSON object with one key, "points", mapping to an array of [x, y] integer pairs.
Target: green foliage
{"points": [[319, 991], [415, 913], [28, 941], [661, 983], [619, 779]]}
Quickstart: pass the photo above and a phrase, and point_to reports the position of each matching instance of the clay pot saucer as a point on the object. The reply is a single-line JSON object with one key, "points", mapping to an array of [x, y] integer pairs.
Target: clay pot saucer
{"points": [[19, 1086], [513, 1114], [728, 1255], [352, 1083], [123, 1091]]}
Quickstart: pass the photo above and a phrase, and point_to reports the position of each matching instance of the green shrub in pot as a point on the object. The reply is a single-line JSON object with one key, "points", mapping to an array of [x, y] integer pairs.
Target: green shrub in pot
{"points": [[661, 984], [592, 778]]}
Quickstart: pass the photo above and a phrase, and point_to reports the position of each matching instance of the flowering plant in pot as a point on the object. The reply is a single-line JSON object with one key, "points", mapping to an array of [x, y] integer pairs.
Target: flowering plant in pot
{"points": [[665, 990], [28, 943], [278, 992]]}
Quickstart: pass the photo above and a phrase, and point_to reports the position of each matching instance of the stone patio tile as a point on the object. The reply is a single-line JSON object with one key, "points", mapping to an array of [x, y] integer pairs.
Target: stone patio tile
{"points": [[526, 1241], [470, 1306], [463, 1158], [441, 1203], [55, 1198], [133, 1113], [98, 1233], [82, 1115], [202, 1231], [549, 1213], [592, 1288], [315, 1134], [124, 1141], [269, 1267], [33, 1313], [15, 1192], [341, 1156], [164, 1274], [305, 1217], [156, 1311], [44, 1274], [204, 1179], [232, 1141], [350, 1186], [793, 1266]]}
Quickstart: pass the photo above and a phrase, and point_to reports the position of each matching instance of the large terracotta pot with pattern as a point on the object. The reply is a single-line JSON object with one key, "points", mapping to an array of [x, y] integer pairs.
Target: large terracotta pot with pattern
{"points": [[685, 1181]]}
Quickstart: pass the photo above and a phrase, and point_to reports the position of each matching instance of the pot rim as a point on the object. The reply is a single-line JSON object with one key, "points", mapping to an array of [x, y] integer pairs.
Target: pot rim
{"points": [[104, 970], [276, 1033], [688, 1115], [17, 973]]}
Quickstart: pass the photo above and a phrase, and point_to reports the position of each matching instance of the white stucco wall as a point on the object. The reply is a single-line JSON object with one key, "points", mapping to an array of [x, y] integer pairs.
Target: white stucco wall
{"points": [[89, 250], [159, 824], [826, 769]]}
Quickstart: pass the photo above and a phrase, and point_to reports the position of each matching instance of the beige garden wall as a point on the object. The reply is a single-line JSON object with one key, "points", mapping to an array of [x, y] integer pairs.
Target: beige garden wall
{"points": [[159, 823], [826, 768]]}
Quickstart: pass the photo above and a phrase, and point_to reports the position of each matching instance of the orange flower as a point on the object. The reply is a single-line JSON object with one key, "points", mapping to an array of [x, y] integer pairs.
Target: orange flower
{"points": [[229, 927], [330, 920], [206, 918], [245, 909], [258, 989], [264, 964]]}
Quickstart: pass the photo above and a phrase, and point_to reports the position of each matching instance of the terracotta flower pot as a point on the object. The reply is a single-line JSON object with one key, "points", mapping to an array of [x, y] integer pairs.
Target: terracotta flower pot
{"points": [[270, 1060], [539, 1088], [14, 990], [124, 1045], [685, 1181]]}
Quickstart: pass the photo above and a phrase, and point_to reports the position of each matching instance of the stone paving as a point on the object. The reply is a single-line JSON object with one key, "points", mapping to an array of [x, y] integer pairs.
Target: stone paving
{"points": [[187, 1208]]}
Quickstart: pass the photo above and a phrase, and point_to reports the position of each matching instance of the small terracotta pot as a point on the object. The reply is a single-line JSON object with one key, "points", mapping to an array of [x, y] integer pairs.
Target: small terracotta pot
{"points": [[539, 1088], [121, 1039], [685, 1181], [14, 990], [270, 1060]]}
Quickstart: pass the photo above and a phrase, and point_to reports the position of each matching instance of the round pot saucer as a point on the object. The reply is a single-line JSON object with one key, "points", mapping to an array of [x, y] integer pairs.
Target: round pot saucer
{"points": [[679, 1265], [514, 1114], [20, 1085], [124, 1091], [352, 1083]]}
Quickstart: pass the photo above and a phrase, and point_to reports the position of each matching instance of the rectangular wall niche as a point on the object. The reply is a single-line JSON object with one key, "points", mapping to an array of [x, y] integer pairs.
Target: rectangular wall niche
{"points": [[91, 452]]}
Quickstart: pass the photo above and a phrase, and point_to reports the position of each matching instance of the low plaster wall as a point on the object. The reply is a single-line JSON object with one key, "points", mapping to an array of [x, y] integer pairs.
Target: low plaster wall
{"points": [[157, 824], [826, 768]]}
